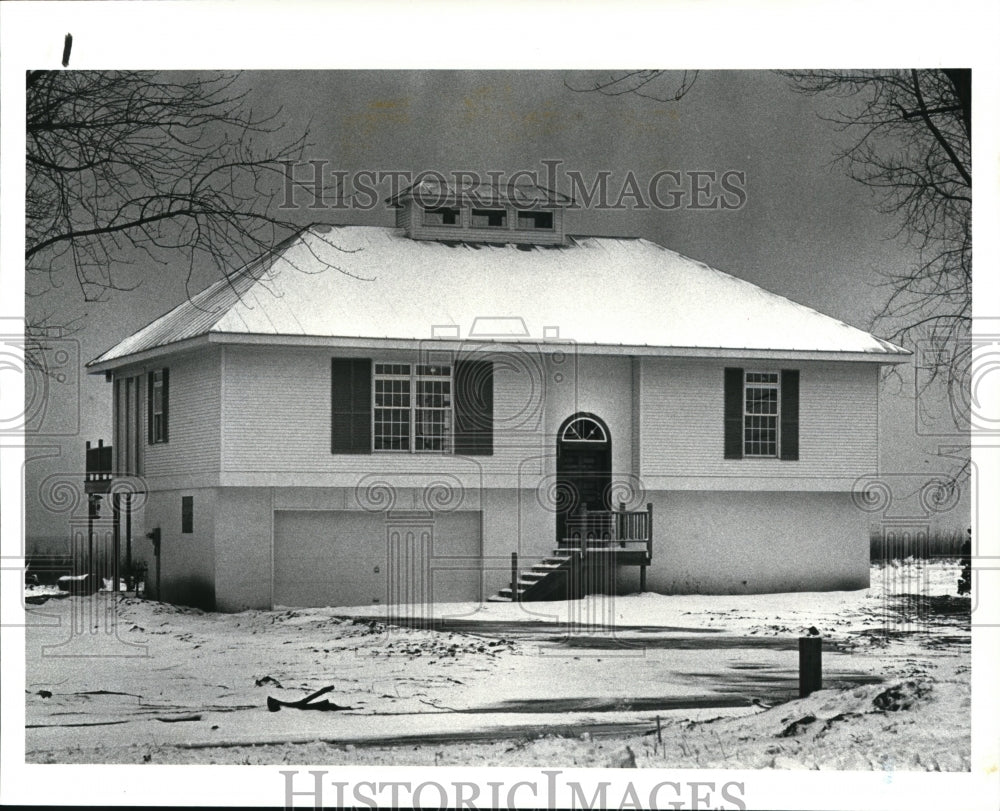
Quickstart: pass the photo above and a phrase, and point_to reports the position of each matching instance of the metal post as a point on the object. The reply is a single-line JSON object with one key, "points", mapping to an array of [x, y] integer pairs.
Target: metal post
{"points": [[128, 542], [92, 507], [649, 531], [513, 576], [155, 535], [810, 664], [116, 535]]}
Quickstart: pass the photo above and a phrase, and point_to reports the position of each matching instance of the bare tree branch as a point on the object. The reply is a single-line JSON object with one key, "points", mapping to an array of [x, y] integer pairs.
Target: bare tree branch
{"points": [[637, 82], [912, 144], [121, 165]]}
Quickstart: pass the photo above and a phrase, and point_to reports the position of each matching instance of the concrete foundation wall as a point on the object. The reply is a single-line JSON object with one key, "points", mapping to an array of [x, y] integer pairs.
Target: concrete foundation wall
{"points": [[187, 560], [490, 523], [704, 542], [519, 521], [739, 542], [243, 548]]}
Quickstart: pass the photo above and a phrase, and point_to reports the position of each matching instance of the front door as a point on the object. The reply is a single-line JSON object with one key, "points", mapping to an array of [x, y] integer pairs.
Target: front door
{"points": [[583, 468]]}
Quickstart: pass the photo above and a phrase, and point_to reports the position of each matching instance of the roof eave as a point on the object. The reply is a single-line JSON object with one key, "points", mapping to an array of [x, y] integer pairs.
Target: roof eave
{"points": [[547, 345], [99, 366]]}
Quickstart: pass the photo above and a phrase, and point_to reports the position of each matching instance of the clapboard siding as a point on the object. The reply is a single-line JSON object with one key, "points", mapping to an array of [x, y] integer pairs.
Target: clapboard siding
{"points": [[682, 420], [193, 445], [594, 384], [277, 418]]}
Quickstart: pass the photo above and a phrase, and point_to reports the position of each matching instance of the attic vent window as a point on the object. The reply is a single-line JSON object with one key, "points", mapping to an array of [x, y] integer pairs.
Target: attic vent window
{"points": [[489, 218], [534, 220], [442, 216]]}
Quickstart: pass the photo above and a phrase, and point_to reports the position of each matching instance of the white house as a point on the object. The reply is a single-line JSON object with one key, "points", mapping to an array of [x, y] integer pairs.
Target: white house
{"points": [[375, 414]]}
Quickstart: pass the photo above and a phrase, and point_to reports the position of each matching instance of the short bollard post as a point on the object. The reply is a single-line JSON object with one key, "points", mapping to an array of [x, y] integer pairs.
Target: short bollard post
{"points": [[810, 664], [513, 577]]}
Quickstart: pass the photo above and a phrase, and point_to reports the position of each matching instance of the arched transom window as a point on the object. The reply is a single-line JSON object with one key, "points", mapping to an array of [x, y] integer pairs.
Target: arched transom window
{"points": [[584, 429]]}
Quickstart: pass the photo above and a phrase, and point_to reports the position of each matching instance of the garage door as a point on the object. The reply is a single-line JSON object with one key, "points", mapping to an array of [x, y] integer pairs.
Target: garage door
{"points": [[341, 558]]}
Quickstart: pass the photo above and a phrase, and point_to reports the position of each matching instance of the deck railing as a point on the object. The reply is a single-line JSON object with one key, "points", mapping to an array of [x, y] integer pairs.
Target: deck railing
{"points": [[627, 528], [99, 463]]}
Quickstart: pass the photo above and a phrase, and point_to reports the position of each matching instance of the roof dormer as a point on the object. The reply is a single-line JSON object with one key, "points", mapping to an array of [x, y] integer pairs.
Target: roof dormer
{"points": [[520, 214]]}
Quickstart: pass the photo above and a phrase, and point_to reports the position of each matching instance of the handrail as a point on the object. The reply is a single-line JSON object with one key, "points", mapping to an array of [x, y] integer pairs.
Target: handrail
{"points": [[621, 526]]}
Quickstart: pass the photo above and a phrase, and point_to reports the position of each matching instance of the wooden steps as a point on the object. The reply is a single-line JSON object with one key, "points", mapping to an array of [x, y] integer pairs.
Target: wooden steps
{"points": [[539, 578], [595, 545], [562, 575]]}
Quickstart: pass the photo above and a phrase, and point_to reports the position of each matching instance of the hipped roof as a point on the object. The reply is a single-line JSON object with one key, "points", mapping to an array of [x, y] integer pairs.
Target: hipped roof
{"points": [[374, 283]]}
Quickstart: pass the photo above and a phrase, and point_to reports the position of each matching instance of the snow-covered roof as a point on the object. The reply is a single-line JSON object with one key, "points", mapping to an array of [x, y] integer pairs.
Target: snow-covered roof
{"points": [[368, 282]]}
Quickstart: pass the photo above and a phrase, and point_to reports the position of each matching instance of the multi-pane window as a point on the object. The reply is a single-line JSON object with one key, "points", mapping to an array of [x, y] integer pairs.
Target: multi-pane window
{"points": [[443, 215], [535, 220], [157, 407], [392, 407], [433, 408], [489, 218], [413, 407], [760, 414]]}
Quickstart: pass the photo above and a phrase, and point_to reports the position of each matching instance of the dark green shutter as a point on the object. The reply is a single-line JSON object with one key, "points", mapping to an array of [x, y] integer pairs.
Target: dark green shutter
{"points": [[166, 405], [149, 408], [351, 405], [474, 407], [733, 416], [790, 414], [187, 514]]}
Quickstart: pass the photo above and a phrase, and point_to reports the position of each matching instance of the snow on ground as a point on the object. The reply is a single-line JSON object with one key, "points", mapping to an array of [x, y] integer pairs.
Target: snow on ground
{"points": [[564, 683]]}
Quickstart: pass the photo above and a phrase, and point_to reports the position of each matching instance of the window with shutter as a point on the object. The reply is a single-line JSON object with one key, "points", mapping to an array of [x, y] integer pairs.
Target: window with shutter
{"points": [[761, 414], [158, 406], [412, 407]]}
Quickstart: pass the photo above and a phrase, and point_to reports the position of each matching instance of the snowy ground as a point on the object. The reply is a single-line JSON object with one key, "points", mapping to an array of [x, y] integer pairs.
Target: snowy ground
{"points": [[555, 684]]}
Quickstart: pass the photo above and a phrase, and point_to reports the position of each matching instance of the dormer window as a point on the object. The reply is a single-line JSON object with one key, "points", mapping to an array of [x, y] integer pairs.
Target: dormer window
{"points": [[489, 218], [526, 216], [534, 220], [442, 215]]}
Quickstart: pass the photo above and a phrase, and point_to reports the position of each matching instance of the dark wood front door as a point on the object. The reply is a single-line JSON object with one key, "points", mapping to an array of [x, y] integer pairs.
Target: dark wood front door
{"points": [[583, 468]]}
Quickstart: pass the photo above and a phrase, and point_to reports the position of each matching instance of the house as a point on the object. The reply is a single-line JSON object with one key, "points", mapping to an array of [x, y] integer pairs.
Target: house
{"points": [[385, 414]]}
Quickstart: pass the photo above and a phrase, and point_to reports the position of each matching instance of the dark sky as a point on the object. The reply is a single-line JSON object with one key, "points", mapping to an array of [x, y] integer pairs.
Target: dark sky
{"points": [[806, 230]]}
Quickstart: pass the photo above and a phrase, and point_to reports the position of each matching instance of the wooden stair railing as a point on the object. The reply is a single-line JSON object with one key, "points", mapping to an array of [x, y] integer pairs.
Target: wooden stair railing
{"points": [[592, 536]]}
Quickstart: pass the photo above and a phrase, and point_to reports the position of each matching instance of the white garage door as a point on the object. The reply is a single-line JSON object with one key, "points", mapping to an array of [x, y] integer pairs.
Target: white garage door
{"points": [[342, 558]]}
